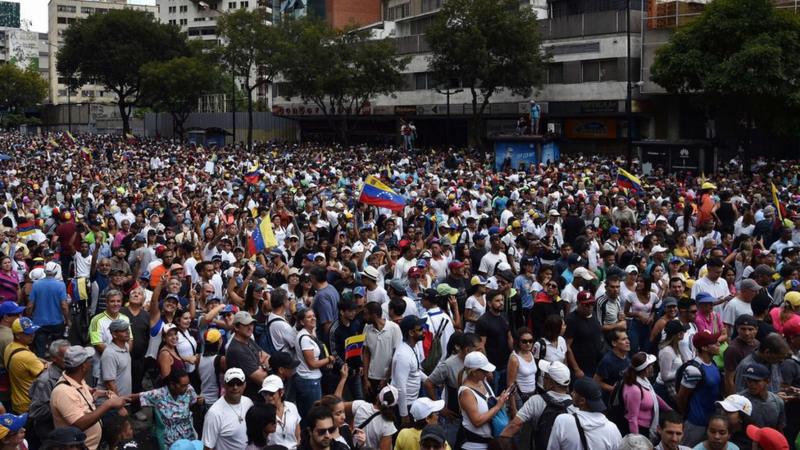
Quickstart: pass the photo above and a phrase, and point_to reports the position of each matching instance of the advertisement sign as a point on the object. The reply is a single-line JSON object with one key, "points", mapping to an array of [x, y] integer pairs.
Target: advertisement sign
{"points": [[550, 152], [590, 128], [513, 154]]}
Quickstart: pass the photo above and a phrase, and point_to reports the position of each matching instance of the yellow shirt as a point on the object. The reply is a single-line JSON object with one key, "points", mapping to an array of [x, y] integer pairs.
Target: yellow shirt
{"points": [[22, 372], [408, 439]]}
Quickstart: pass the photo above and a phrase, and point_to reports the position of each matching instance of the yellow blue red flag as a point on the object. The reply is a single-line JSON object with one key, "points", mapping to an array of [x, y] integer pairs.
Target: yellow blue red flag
{"points": [[628, 181], [263, 237], [376, 193]]}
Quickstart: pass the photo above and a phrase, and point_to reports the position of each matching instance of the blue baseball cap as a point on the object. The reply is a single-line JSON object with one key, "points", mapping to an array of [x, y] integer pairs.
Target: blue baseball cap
{"points": [[613, 230], [12, 422], [754, 371], [24, 325], [10, 308], [360, 291], [704, 297]]}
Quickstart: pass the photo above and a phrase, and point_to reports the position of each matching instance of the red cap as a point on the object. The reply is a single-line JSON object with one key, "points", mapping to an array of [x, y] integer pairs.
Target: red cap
{"points": [[403, 243], [455, 264], [704, 338], [585, 297], [415, 272], [767, 438]]}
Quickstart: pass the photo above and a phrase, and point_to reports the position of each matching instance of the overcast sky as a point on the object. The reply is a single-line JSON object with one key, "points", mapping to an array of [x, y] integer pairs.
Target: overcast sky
{"points": [[36, 12]]}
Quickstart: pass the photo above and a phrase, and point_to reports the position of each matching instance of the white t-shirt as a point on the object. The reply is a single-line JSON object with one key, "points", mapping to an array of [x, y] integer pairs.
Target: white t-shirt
{"points": [[224, 427], [377, 295], [601, 434], [489, 263], [187, 346], [377, 428], [735, 308], [285, 428], [306, 344], [473, 304], [282, 334], [82, 265]]}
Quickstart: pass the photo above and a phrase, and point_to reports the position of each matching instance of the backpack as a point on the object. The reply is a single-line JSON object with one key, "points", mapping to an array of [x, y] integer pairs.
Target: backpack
{"points": [[616, 407], [435, 354], [544, 426], [682, 369], [263, 338]]}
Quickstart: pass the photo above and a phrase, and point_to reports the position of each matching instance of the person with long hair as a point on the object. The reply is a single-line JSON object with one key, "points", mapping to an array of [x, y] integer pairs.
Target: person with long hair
{"points": [[546, 303], [718, 434], [168, 357], [187, 347], [287, 419], [641, 310], [478, 403], [9, 282], [642, 404], [340, 409], [313, 356], [669, 361], [522, 369], [475, 305], [261, 424], [738, 409]]}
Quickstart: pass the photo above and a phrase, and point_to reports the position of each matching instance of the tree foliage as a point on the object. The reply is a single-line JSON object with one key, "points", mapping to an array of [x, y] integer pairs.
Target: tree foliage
{"points": [[486, 46], [175, 86], [111, 48], [250, 51], [338, 71], [20, 88], [740, 57]]}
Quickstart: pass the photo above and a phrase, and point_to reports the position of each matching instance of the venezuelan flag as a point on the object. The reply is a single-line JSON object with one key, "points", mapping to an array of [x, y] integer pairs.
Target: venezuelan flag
{"points": [[376, 193], [253, 176], [70, 138], [26, 229], [628, 181], [263, 237], [778, 206], [86, 154], [53, 143], [353, 346]]}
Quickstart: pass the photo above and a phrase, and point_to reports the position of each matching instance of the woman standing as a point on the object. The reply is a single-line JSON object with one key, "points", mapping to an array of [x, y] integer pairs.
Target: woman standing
{"points": [[640, 309], [168, 358], [642, 404], [9, 282], [670, 305], [287, 419], [551, 346], [377, 419], [522, 369], [669, 360], [475, 305], [474, 398], [546, 303], [187, 348], [313, 356]]}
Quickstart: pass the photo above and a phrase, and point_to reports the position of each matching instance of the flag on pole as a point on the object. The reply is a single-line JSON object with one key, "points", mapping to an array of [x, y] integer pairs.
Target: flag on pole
{"points": [[86, 154], [375, 193], [263, 237], [70, 138], [781, 210], [252, 176], [53, 143], [628, 181]]}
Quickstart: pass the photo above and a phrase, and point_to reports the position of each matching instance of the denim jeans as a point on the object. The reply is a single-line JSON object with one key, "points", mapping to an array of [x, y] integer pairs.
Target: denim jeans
{"points": [[44, 336], [499, 381], [307, 391]]}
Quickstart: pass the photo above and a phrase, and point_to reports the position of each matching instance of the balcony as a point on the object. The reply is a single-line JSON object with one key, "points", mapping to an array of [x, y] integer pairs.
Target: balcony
{"points": [[412, 44], [589, 24]]}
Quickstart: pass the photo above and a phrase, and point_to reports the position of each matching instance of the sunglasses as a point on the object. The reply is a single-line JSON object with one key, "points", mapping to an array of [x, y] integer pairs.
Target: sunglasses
{"points": [[236, 382], [552, 285], [526, 341], [324, 431]]}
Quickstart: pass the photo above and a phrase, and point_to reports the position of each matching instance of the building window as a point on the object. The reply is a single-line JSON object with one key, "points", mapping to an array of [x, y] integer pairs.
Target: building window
{"points": [[398, 12], [86, 93], [199, 19], [231, 5], [184, 21], [62, 92], [419, 26], [608, 70], [171, 10], [244, 5], [555, 73], [61, 20], [420, 81], [66, 8], [431, 5], [184, 8], [172, 22], [87, 10]]}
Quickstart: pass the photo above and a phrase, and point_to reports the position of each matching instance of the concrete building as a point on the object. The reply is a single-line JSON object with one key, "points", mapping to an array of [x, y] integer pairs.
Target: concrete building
{"points": [[583, 99], [61, 13], [198, 18], [337, 13]]}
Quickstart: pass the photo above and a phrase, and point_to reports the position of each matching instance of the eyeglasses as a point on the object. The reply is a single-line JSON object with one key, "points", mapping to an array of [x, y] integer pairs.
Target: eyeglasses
{"points": [[526, 341], [552, 285], [324, 431], [235, 382]]}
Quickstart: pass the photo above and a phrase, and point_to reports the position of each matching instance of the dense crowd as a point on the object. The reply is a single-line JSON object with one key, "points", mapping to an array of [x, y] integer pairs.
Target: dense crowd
{"points": [[235, 299]]}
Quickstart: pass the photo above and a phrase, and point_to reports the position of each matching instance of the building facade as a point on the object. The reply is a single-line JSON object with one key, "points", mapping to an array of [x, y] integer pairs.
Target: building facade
{"points": [[198, 18], [62, 13]]}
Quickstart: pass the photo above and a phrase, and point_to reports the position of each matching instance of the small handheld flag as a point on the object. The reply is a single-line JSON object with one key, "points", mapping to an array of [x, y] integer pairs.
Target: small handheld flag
{"points": [[778, 206], [263, 237], [375, 193], [628, 181], [353, 346]]}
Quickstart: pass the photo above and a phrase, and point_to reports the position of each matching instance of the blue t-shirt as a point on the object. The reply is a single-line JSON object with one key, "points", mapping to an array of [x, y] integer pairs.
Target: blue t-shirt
{"points": [[611, 368], [47, 295], [326, 308], [705, 394], [730, 446]]}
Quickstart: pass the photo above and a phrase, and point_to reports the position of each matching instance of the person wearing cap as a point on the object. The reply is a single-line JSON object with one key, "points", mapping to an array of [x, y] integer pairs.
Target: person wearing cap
{"points": [[669, 305], [287, 426], [376, 419], [766, 438], [788, 313], [583, 328], [21, 363], [739, 348], [71, 402], [740, 304], [9, 312], [245, 354], [100, 335], [397, 295], [708, 319], [642, 404], [700, 386], [407, 374], [407, 260], [374, 291], [474, 396], [12, 432], [48, 307], [425, 413], [768, 409], [432, 437], [172, 403], [771, 352], [439, 322], [555, 394], [738, 409], [65, 438], [381, 338], [115, 363], [209, 366], [588, 427], [347, 332], [475, 305], [223, 427]]}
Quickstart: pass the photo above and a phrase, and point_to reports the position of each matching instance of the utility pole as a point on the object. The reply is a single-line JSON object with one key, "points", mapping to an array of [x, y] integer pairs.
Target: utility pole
{"points": [[628, 101], [447, 93]]}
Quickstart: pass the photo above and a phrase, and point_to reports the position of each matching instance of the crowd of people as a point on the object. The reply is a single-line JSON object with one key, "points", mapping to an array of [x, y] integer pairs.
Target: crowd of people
{"points": [[236, 299]]}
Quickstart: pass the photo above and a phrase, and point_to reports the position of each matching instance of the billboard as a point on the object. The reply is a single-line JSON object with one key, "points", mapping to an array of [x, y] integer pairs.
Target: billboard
{"points": [[513, 154]]}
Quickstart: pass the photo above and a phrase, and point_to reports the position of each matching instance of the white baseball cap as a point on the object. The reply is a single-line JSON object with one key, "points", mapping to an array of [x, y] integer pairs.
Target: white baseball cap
{"points": [[736, 402], [658, 249], [631, 269], [582, 272], [389, 395], [557, 371], [234, 373], [272, 384], [477, 360], [423, 407]]}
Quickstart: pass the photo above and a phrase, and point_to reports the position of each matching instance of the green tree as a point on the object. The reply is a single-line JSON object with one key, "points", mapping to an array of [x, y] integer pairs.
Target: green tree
{"points": [[338, 71], [486, 46], [20, 88], [111, 48], [741, 59], [249, 50], [175, 86]]}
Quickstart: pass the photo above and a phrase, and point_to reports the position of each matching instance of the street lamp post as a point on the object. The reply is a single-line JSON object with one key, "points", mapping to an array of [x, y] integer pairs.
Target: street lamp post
{"points": [[628, 101], [233, 107], [447, 93], [69, 108]]}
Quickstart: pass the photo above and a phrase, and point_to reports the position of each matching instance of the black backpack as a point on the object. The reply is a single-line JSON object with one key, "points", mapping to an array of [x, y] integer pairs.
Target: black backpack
{"points": [[616, 407], [682, 369], [544, 426], [263, 338]]}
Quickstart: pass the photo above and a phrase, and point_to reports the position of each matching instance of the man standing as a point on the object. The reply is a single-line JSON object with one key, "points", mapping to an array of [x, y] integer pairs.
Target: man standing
{"points": [[22, 364], [496, 338], [100, 335], [280, 332], [325, 303], [346, 333], [41, 420], [584, 337], [613, 365], [700, 387], [245, 355], [72, 401], [713, 283], [115, 364], [772, 350], [320, 433], [140, 333], [382, 338], [495, 257], [224, 427], [9, 312], [739, 305], [745, 343], [49, 308], [670, 429], [407, 376], [768, 409], [596, 432], [609, 307]]}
